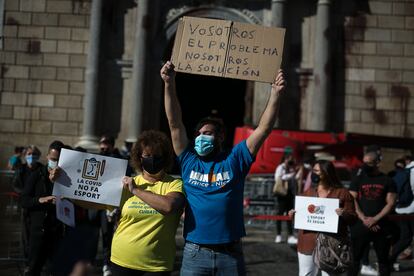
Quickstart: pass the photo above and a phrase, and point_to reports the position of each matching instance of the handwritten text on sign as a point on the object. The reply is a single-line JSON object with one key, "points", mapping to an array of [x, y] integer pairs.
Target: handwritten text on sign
{"points": [[227, 49]]}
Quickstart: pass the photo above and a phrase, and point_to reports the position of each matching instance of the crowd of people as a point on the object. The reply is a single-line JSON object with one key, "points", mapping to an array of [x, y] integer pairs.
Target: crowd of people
{"points": [[364, 213], [209, 197]]}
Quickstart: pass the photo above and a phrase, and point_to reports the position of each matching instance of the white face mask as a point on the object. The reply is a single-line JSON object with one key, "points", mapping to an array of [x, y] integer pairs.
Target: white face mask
{"points": [[52, 164], [307, 166]]}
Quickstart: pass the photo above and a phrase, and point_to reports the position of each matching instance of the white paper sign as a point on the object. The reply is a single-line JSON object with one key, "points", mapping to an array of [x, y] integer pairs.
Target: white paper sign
{"points": [[316, 214], [90, 177], [65, 211]]}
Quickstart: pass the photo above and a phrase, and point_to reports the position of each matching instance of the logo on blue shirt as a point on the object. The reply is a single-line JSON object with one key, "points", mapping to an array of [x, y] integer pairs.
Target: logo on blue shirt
{"points": [[204, 179]]}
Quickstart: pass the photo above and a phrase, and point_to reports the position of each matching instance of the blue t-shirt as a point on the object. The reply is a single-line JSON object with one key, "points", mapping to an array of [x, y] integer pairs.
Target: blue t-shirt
{"points": [[214, 190]]}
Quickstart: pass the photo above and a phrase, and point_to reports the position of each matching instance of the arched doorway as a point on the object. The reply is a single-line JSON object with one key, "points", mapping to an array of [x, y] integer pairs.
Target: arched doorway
{"points": [[202, 96]]}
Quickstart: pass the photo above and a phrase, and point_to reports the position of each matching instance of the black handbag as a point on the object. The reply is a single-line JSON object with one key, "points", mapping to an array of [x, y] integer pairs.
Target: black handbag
{"points": [[332, 254]]}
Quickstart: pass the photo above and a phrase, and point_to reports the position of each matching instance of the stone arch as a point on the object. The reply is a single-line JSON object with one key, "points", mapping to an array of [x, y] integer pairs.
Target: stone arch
{"points": [[217, 12]]}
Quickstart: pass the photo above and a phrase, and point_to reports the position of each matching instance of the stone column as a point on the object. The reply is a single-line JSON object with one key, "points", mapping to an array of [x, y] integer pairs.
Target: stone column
{"points": [[317, 108], [278, 13], [261, 90], [139, 70], [89, 137], [278, 20]]}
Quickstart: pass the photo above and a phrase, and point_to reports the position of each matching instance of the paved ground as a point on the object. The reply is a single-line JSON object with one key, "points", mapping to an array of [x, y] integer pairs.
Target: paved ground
{"points": [[263, 256]]}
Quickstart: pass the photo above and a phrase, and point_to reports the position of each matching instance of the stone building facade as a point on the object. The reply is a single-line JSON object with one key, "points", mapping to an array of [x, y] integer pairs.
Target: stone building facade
{"points": [[349, 65], [379, 72], [42, 72]]}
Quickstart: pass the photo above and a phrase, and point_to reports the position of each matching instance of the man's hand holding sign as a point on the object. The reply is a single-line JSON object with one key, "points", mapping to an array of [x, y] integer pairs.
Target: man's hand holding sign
{"points": [[228, 49]]}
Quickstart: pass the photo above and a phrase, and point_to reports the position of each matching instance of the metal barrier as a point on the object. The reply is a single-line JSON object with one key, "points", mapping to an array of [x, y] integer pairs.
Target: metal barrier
{"points": [[11, 247], [259, 200]]}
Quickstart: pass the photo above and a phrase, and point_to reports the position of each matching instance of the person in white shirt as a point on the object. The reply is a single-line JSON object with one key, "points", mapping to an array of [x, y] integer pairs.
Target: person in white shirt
{"points": [[287, 172]]}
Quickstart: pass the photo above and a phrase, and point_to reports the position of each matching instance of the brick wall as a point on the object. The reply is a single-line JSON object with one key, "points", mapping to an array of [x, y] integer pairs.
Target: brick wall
{"points": [[42, 72], [380, 69]]}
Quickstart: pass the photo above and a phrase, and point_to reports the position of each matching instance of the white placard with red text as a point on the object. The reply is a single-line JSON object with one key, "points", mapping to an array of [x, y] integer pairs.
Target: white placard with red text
{"points": [[316, 214]]}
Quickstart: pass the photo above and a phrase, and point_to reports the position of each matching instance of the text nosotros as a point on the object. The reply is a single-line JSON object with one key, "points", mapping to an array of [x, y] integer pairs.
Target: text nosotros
{"points": [[220, 30]]}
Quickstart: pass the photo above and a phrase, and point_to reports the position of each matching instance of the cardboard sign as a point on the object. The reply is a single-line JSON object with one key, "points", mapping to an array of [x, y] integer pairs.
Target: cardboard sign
{"points": [[90, 177], [227, 49], [316, 214]]}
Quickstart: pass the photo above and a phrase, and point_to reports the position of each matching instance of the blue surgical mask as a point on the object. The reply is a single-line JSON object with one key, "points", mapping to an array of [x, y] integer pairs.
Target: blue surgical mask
{"points": [[30, 159], [52, 164], [204, 144]]}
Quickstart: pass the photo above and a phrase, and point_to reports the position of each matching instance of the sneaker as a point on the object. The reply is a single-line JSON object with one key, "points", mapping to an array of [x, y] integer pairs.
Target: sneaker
{"points": [[368, 270], [406, 254], [106, 270], [292, 240], [278, 239], [396, 267]]}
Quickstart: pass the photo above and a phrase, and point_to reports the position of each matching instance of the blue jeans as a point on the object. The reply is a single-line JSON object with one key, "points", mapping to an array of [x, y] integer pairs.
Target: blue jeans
{"points": [[224, 260]]}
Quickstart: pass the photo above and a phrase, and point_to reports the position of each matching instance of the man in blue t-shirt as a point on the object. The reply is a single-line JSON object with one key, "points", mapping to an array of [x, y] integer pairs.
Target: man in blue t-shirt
{"points": [[214, 183]]}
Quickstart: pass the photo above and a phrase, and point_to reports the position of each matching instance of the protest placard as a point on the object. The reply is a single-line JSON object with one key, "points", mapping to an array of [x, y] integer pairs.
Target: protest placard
{"points": [[316, 214], [65, 211], [227, 49], [90, 177]]}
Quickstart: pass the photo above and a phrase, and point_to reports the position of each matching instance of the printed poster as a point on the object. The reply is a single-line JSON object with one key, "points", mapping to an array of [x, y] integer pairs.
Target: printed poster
{"points": [[65, 211], [316, 214], [90, 177]]}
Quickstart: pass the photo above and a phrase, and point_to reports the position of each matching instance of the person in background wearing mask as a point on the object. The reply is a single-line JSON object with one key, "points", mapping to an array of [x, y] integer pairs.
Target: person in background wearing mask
{"points": [[214, 183], [308, 162], [326, 185], [21, 175], [152, 203], [374, 196], [32, 156], [286, 171], [37, 198], [366, 267]]}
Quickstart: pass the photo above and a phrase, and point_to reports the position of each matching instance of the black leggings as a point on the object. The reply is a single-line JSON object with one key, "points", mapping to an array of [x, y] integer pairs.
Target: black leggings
{"points": [[123, 271], [285, 203]]}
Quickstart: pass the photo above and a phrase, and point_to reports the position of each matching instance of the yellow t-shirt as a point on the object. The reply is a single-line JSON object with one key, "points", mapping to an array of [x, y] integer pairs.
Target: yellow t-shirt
{"points": [[145, 239]]}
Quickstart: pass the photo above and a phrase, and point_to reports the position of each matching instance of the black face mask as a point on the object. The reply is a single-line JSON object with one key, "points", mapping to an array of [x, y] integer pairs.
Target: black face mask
{"points": [[368, 169], [315, 178], [152, 164]]}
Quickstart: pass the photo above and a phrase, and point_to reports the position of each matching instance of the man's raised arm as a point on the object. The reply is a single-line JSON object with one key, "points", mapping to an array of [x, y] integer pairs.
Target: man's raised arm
{"points": [[268, 119], [173, 109]]}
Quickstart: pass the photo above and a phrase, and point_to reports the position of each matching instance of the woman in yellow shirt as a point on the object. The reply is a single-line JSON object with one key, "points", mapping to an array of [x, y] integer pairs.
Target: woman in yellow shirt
{"points": [[151, 205]]}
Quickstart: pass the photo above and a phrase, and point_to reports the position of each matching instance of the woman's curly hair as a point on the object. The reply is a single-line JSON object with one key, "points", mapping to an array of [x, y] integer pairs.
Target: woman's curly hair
{"points": [[157, 143]]}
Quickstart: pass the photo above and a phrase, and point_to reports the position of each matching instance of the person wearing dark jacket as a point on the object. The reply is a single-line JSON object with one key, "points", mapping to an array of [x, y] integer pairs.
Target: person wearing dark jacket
{"points": [[37, 198], [21, 175]]}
